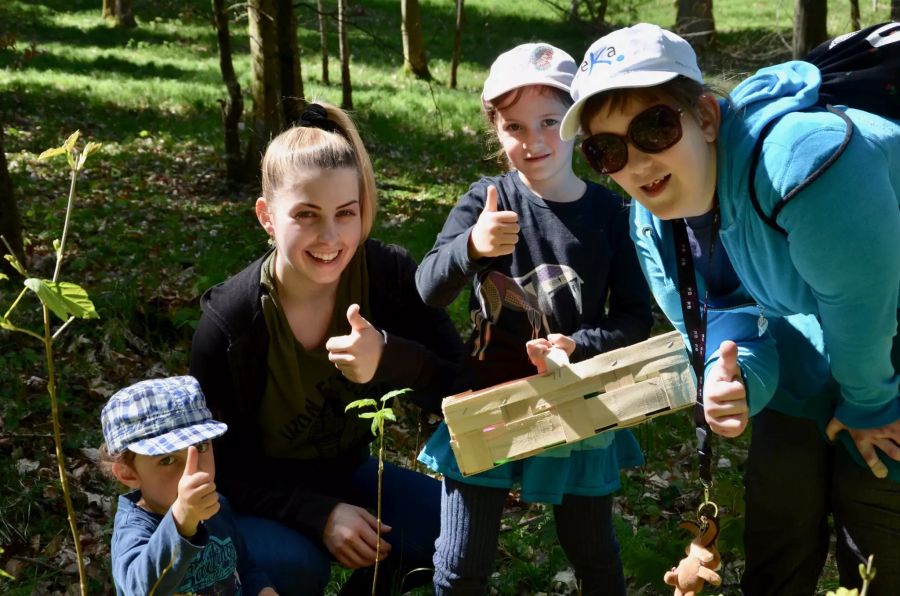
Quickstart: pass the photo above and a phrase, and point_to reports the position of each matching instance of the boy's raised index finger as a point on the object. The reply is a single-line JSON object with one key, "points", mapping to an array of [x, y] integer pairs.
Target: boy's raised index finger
{"points": [[192, 462]]}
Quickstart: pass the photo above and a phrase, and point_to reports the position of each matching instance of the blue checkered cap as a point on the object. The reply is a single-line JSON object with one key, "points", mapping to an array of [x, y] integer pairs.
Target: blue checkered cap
{"points": [[158, 416]]}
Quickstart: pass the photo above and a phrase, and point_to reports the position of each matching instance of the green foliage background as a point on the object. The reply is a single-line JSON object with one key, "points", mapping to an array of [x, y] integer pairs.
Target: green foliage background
{"points": [[155, 225]]}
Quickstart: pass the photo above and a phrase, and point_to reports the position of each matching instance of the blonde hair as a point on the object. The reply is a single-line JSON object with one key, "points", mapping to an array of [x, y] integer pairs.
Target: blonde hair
{"points": [[303, 147]]}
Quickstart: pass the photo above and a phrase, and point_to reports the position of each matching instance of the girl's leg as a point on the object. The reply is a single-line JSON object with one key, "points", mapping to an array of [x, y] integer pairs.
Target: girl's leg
{"points": [[470, 528], [410, 504], [585, 530], [867, 521], [294, 563], [786, 488]]}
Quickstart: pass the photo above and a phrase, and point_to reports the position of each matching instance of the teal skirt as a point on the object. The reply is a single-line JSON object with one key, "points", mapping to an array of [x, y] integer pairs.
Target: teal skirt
{"points": [[587, 468]]}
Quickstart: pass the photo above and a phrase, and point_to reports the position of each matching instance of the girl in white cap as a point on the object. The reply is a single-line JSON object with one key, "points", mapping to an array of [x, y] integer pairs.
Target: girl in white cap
{"points": [[797, 323], [545, 251]]}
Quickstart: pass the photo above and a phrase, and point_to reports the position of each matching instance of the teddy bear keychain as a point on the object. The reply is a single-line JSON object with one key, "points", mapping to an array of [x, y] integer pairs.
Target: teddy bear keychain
{"points": [[702, 560]]}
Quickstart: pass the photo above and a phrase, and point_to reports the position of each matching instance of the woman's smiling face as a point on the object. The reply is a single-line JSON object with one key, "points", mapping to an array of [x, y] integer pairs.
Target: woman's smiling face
{"points": [[315, 221]]}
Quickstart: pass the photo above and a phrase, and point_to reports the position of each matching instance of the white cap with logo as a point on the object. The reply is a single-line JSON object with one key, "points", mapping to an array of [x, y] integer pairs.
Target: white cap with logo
{"points": [[529, 64], [644, 55]]}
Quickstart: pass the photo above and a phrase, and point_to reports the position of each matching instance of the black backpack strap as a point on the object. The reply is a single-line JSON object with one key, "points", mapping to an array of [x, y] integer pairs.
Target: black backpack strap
{"points": [[771, 220]]}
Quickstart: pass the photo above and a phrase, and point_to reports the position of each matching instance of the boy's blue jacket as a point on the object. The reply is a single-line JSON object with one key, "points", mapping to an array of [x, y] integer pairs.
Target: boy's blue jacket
{"points": [[830, 288], [149, 555]]}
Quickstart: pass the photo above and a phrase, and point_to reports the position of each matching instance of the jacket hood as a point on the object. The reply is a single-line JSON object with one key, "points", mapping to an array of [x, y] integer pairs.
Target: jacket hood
{"points": [[774, 91], [767, 95]]}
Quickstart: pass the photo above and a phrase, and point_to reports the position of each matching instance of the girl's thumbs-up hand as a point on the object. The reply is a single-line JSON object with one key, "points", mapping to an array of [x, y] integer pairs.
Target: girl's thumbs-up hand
{"points": [[724, 394], [197, 498], [357, 354], [496, 232]]}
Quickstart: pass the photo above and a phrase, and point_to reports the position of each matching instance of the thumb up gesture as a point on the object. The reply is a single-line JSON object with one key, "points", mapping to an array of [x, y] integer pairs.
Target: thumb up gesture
{"points": [[356, 355], [724, 394], [496, 232], [197, 498]]}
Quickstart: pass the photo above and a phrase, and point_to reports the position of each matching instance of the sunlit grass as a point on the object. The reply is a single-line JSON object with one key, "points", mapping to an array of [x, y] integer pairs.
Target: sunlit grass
{"points": [[155, 225]]}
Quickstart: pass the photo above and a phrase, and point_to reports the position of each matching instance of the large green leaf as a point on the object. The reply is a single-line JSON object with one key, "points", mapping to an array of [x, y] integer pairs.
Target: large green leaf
{"points": [[394, 393], [64, 299]]}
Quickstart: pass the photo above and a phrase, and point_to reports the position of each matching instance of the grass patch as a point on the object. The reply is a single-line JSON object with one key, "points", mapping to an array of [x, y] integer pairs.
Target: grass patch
{"points": [[155, 225]]}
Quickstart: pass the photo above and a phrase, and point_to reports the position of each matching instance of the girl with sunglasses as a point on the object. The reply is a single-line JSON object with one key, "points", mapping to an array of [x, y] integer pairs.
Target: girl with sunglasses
{"points": [[799, 328], [545, 251]]}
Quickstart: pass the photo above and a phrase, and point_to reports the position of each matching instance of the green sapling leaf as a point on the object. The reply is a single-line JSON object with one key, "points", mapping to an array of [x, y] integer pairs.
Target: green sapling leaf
{"points": [[389, 414], [360, 403], [56, 244], [3, 276], [70, 142], [394, 393], [375, 426], [63, 298], [51, 153], [16, 264], [88, 149], [368, 415]]}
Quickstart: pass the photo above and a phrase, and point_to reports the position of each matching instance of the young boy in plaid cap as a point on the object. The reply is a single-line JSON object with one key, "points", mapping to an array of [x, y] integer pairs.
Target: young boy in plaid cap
{"points": [[172, 532]]}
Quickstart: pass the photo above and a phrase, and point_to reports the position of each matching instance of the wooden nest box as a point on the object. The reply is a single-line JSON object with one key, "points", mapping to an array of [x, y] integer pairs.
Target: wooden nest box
{"points": [[526, 416]]}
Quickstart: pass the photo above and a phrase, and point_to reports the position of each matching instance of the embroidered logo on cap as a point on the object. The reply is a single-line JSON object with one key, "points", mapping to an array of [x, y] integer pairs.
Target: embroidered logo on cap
{"points": [[541, 57]]}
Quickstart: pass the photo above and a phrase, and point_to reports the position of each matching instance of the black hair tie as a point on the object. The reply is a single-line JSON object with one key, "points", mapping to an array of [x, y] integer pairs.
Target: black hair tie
{"points": [[315, 116]]}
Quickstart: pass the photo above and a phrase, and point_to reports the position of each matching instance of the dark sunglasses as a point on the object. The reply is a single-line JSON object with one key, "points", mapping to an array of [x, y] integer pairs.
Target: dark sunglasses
{"points": [[652, 131]]}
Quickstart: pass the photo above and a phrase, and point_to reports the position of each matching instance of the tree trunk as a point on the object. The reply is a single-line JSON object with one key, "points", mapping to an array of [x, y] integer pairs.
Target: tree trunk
{"points": [[125, 15], [573, 11], [809, 25], [895, 10], [323, 39], [346, 88], [289, 62], [10, 222], [109, 9], [414, 58], [265, 85], [854, 15], [457, 40], [694, 21], [233, 106]]}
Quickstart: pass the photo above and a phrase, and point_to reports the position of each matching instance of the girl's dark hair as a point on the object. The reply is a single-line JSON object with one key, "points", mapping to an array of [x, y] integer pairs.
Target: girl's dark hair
{"points": [[489, 110], [681, 90]]}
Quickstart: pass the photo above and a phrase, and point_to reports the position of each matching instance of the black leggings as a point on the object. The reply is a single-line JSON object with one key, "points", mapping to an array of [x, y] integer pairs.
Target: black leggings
{"points": [[470, 529]]}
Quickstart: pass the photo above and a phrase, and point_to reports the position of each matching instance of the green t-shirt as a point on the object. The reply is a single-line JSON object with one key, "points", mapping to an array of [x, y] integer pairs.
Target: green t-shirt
{"points": [[302, 413]]}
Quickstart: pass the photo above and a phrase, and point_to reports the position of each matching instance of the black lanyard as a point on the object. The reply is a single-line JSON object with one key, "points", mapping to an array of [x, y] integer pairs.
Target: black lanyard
{"points": [[695, 315]]}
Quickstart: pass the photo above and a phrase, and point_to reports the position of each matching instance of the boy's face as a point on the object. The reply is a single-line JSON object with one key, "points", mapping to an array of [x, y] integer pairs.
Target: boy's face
{"points": [[157, 476]]}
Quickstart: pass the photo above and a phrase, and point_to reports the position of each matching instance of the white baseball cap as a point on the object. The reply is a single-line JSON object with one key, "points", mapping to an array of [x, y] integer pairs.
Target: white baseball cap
{"points": [[529, 64], [644, 55]]}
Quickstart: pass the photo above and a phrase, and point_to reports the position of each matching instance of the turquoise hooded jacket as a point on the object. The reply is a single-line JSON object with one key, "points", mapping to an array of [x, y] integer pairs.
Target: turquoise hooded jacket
{"points": [[815, 316]]}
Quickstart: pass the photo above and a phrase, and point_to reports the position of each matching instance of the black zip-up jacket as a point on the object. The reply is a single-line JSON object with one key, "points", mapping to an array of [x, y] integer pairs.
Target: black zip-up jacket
{"points": [[229, 358]]}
